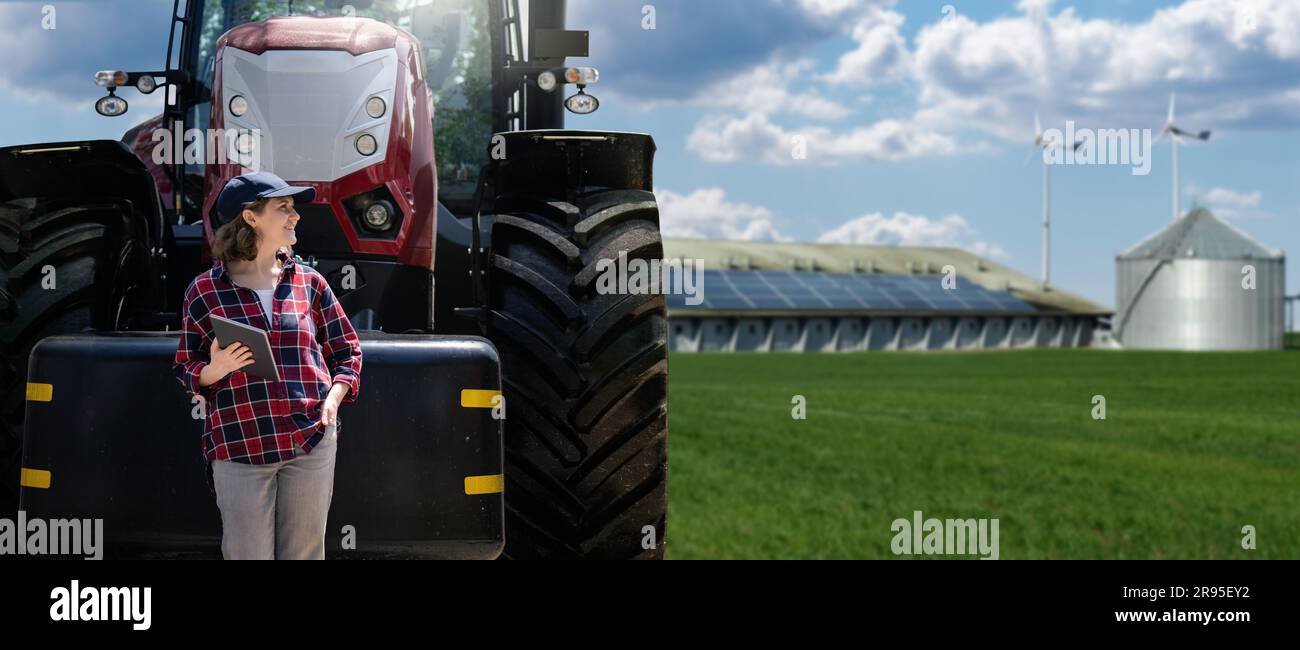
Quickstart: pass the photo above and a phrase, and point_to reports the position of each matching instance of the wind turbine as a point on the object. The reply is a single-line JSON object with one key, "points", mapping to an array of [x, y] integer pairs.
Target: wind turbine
{"points": [[1175, 138], [1045, 145]]}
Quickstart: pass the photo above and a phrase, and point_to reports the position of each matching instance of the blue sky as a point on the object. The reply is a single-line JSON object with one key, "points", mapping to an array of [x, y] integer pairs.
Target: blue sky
{"points": [[916, 117]]}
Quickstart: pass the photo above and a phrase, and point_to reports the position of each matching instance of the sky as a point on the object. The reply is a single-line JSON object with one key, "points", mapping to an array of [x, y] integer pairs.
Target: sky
{"points": [[861, 121]]}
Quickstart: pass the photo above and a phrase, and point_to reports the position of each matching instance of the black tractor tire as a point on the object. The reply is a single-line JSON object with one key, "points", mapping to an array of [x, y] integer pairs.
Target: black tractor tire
{"points": [[84, 242], [585, 377]]}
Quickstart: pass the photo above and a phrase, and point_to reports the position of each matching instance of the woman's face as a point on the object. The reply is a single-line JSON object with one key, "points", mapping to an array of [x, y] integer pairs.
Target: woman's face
{"points": [[275, 224]]}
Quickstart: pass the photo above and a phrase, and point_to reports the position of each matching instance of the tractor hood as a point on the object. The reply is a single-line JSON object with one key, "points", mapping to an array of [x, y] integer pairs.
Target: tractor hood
{"points": [[352, 35], [305, 83]]}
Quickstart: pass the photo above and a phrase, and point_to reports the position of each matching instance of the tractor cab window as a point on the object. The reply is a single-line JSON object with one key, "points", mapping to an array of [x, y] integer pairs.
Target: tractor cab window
{"points": [[456, 37], [214, 24]]}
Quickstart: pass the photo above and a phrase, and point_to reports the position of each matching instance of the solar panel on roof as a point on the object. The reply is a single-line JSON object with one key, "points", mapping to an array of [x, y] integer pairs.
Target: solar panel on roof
{"points": [[914, 303], [770, 302], [727, 302], [846, 302], [740, 290], [948, 302]]}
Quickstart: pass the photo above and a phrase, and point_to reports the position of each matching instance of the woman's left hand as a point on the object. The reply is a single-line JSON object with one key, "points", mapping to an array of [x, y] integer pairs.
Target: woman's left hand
{"points": [[330, 409]]}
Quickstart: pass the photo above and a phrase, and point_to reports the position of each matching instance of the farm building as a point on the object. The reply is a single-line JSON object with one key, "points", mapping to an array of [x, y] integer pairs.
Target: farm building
{"points": [[797, 297], [1200, 284]]}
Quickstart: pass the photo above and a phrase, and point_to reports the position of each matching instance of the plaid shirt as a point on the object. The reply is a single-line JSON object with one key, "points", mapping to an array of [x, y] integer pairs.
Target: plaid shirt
{"points": [[259, 421]]}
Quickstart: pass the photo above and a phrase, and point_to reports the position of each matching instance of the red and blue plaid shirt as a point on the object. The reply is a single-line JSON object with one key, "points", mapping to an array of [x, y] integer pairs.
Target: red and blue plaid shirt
{"points": [[259, 421]]}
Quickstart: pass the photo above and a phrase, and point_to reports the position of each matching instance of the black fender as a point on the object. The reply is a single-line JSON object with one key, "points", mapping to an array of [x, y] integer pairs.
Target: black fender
{"points": [[96, 170], [523, 161], [530, 162]]}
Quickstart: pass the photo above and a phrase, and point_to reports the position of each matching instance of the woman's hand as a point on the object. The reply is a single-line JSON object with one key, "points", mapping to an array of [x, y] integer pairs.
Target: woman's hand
{"points": [[329, 412], [224, 361]]}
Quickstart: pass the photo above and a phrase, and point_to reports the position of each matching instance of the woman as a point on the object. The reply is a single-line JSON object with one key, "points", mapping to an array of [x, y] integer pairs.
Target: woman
{"points": [[269, 445]]}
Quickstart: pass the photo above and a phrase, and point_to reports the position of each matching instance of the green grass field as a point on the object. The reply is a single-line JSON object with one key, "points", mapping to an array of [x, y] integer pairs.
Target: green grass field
{"points": [[1193, 447]]}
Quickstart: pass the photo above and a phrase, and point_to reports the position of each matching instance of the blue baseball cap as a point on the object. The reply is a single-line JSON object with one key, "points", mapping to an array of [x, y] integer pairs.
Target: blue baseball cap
{"points": [[257, 185]]}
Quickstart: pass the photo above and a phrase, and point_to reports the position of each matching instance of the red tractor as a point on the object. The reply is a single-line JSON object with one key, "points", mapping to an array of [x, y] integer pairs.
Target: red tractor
{"points": [[521, 414]]}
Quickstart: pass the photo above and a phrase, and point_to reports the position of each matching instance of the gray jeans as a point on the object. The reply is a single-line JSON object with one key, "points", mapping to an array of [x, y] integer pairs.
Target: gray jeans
{"points": [[277, 510]]}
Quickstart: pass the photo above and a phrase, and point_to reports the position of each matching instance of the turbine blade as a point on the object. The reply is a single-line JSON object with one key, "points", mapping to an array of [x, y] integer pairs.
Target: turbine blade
{"points": [[1038, 127], [1170, 119]]}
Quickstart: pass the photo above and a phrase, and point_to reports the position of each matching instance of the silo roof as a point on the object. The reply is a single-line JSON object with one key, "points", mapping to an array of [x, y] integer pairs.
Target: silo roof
{"points": [[1199, 235]]}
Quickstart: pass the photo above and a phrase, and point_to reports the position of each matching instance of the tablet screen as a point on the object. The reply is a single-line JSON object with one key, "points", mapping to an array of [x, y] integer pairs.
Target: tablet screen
{"points": [[228, 331]]}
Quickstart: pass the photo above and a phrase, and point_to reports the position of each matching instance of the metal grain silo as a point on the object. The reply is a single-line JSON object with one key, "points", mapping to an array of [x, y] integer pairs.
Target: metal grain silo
{"points": [[1183, 289]]}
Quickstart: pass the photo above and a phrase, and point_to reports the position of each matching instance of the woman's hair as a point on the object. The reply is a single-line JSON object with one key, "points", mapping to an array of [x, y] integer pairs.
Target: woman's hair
{"points": [[237, 240]]}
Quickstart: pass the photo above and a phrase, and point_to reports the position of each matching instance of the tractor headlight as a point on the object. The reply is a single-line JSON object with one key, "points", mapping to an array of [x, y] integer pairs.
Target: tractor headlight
{"points": [[109, 78], [546, 81], [367, 145], [375, 214], [238, 105], [375, 107], [110, 106], [245, 143], [146, 84], [582, 103], [582, 76], [378, 216]]}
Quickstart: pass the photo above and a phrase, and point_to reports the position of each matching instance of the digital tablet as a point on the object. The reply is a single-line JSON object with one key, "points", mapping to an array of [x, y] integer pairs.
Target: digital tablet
{"points": [[228, 331]]}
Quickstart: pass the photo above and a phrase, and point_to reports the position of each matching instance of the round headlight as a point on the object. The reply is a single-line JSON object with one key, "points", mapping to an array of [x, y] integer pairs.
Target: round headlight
{"points": [[245, 143], [378, 215], [146, 84], [546, 81], [582, 103], [238, 105], [110, 106], [375, 107], [366, 144]]}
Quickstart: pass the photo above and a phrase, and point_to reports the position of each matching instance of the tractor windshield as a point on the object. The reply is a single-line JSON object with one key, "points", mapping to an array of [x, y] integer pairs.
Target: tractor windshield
{"points": [[457, 57]]}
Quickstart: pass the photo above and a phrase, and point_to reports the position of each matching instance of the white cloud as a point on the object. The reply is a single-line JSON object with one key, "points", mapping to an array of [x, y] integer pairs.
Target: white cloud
{"points": [[754, 138], [764, 88], [1230, 203], [1226, 197], [841, 12], [881, 55], [905, 229], [1233, 64], [707, 214]]}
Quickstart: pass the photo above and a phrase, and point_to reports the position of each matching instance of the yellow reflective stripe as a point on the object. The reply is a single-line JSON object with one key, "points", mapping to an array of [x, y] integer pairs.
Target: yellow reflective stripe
{"points": [[490, 484], [477, 399], [35, 478], [38, 392]]}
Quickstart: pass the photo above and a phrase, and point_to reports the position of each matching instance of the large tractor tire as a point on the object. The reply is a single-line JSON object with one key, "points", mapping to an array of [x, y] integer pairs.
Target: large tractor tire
{"points": [[55, 258], [585, 377]]}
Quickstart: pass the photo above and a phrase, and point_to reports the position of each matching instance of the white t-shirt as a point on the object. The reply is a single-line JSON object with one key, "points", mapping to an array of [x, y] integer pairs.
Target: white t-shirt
{"points": [[265, 295]]}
